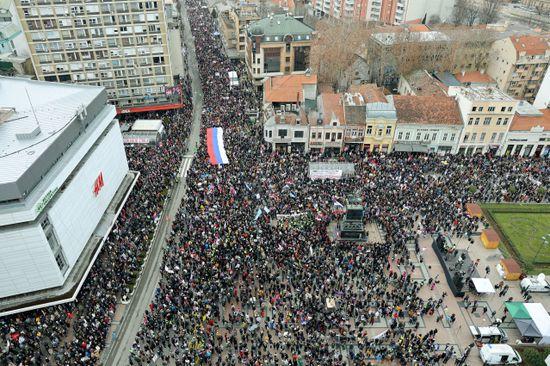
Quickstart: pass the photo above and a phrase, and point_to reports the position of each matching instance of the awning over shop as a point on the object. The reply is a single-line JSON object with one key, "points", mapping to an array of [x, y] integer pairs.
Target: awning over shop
{"points": [[402, 147]]}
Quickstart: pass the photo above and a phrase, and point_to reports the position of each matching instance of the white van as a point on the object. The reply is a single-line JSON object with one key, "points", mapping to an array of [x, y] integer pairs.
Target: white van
{"points": [[535, 284], [488, 334], [499, 354]]}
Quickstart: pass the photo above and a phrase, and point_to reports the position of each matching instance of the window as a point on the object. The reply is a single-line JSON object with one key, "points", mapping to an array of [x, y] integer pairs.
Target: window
{"points": [[379, 132], [499, 121], [510, 109], [418, 136], [298, 134], [327, 136], [319, 135], [45, 224], [407, 135], [434, 136], [480, 109], [369, 130], [503, 109], [282, 133], [388, 130], [313, 135], [61, 262], [505, 122], [500, 136], [477, 121], [270, 134], [482, 137], [487, 121], [491, 109], [466, 136], [400, 135], [445, 137], [339, 135], [470, 121], [453, 136], [474, 136], [474, 109], [493, 137]]}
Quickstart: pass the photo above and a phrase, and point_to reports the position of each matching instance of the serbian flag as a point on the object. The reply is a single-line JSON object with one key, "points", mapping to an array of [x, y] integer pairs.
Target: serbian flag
{"points": [[216, 150]]}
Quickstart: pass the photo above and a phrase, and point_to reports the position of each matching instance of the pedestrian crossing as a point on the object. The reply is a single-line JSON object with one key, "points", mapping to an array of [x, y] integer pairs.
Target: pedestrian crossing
{"points": [[185, 166]]}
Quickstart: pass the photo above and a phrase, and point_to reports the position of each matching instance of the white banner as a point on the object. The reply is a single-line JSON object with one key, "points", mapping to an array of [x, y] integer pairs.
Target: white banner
{"points": [[325, 174]]}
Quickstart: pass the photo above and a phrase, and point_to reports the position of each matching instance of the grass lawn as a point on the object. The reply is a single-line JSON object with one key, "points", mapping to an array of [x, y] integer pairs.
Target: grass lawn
{"points": [[523, 226]]}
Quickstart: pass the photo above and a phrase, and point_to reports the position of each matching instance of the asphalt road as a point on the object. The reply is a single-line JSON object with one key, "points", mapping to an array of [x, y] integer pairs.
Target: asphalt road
{"points": [[118, 351]]}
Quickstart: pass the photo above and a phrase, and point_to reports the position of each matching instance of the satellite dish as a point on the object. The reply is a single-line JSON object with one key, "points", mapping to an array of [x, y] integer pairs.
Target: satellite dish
{"points": [[541, 277]]}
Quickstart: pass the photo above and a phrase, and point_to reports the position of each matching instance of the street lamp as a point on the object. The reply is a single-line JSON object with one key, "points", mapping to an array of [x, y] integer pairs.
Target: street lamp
{"points": [[543, 244]]}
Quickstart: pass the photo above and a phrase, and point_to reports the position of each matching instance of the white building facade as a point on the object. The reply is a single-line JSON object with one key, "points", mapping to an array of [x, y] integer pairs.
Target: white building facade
{"points": [[61, 171]]}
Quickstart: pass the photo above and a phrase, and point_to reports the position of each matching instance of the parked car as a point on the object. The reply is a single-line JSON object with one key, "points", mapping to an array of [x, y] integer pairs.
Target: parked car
{"points": [[499, 354], [535, 284]]}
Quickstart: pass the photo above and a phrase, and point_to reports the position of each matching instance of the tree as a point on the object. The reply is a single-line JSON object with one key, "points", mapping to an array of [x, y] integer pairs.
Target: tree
{"points": [[334, 47], [459, 12], [541, 9], [471, 13], [489, 10], [468, 47], [434, 19]]}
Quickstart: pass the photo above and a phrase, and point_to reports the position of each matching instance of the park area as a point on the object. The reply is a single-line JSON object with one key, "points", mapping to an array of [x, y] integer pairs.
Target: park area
{"points": [[521, 228]]}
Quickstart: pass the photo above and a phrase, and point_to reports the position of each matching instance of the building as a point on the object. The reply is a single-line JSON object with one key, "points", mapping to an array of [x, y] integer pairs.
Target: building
{"points": [[14, 50], [386, 11], [518, 64], [234, 23], [487, 113], [63, 181], [355, 115], [419, 10], [542, 99], [122, 46], [287, 92], [420, 82], [327, 124], [427, 124], [529, 134], [381, 119], [286, 132], [277, 45]]}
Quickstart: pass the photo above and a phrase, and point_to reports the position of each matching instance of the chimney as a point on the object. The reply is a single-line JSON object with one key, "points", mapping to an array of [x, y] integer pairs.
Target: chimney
{"points": [[482, 71], [463, 72]]}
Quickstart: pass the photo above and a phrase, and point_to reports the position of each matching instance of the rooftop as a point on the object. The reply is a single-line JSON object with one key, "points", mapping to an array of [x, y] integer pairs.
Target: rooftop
{"points": [[277, 27], [29, 130], [475, 77], [427, 110], [485, 93], [422, 83], [287, 88], [528, 122], [331, 106], [371, 92], [531, 44]]}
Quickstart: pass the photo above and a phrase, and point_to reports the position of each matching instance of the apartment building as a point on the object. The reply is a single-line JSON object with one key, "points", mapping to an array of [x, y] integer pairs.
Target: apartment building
{"points": [[14, 50], [120, 45], [386, 11], [427, 124], [277, 45], [327, 124], [487, 114], [233, 25], [518, 64]]}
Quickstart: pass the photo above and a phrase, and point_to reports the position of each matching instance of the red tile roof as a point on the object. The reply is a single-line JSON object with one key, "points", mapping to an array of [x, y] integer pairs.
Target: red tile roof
{"points": [[332, 105], [427, 110], [531, 45], [370, 92], [287, 88], [525, 123], [474, 77]]}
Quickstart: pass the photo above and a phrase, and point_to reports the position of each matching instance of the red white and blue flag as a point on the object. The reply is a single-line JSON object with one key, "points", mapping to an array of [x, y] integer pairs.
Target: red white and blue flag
{"points": [[216, 149]]}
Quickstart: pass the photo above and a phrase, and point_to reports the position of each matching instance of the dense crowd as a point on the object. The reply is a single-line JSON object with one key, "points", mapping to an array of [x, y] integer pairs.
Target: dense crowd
{"points": [[241, 287], [75, 333]]}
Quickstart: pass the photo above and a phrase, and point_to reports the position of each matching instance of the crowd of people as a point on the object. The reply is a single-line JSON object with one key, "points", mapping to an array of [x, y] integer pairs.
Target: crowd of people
{"points": [[239, 286], [75, 333]]}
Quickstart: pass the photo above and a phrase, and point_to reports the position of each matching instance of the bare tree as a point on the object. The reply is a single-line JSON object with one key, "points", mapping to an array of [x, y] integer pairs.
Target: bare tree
{"points": [[471, 14], [469, 48], [489, 10], [334, 47], [541, 9], [459, 12]]}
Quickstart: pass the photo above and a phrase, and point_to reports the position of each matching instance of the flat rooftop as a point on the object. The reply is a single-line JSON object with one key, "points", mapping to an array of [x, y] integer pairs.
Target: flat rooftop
{"points": [[35, 115], [485, 93]]}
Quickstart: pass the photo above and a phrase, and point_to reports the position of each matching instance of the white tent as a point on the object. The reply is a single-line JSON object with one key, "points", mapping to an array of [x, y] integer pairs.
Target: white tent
{"points": [[541, 319], [483, 285]]}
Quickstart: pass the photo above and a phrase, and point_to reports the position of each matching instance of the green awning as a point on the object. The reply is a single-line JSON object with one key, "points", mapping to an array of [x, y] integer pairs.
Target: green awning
{"points": [[517, 310]]}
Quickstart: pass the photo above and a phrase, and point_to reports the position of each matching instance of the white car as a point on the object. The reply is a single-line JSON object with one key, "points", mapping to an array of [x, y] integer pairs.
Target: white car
{"points": [[499, 354], [535, 284]]}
